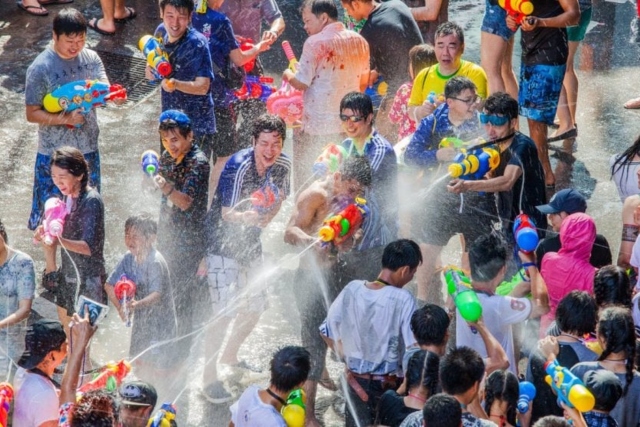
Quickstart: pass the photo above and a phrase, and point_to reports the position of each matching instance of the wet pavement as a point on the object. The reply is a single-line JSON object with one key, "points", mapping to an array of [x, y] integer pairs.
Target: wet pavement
{"points": [[605, 128]]}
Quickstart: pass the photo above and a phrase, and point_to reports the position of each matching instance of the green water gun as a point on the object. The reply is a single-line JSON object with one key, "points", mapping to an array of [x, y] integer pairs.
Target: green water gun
{"points": [[463, 295]]}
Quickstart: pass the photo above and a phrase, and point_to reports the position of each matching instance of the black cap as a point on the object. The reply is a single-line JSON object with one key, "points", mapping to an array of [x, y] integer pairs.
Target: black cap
{"points": [[605, 386], [43, 336], [138, 393], [567, 200]]}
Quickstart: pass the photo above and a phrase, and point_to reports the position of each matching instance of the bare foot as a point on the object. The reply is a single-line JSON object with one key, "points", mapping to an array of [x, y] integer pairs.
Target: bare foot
{"points": [[632, 104]]}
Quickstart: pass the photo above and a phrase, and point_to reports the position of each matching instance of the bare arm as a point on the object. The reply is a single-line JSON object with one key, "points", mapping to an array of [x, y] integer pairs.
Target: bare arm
{"points": [[81, 333], [240, 57], [37, 114], [539, 293], [181, 200], [491, 185], [289, 76], [302, 218], [629, 230], [24, 308], [150, 299], [78, 246], [428, 12], [199, 86], [568, 18], [496, 356]]}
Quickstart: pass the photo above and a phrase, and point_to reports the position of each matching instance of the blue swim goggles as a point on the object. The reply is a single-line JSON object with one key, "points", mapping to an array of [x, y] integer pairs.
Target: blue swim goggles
{"points": [[493, 119]]}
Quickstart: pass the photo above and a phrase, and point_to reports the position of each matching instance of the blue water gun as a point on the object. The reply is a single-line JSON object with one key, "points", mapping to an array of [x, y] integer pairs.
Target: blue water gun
{"points": [[150, 162], [377, 91], [569, 389], [526, 395], [525, 233], [165, 417]]}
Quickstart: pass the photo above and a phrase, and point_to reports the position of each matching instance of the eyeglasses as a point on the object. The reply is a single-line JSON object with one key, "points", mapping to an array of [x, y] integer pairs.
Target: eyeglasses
{"points": [[493, 119], [469, 101], [352, 119]]}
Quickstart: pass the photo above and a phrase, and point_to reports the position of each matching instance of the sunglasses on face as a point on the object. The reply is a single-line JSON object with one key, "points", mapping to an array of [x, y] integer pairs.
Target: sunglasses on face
{"points": [[352, 119], [493, 119]]}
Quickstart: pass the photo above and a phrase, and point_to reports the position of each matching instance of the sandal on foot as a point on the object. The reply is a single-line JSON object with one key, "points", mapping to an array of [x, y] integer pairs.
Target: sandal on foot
{"points": [[93, 24], [50, 2], [571, 133], [33, 10], [131, 14]]}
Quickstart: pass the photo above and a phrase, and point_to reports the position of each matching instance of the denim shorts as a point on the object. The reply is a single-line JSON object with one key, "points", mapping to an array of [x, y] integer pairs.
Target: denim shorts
{"points": [[495, 21], [577, 33], [540, 87]]}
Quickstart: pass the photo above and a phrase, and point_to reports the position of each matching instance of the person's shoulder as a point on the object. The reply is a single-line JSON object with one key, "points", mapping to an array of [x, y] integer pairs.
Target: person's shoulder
{"points": [[283, 161], [240, 158], [471, 68], [413, 420], [381, 142], [580, 368], [195, 38], [93, 198], [22, 257]]}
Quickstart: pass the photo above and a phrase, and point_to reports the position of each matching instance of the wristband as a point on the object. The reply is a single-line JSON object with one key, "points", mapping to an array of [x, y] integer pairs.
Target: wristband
{"points": [[529, 264], [170, 191]]}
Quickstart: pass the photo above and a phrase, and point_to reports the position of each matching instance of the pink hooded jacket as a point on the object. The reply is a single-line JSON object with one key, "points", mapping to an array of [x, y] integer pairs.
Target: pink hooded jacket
{"points": [[569, 268]]}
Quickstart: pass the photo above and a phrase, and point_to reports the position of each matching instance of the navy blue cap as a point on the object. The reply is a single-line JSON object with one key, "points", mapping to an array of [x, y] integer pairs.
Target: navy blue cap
{"points": [[180, 118], [567, 200]]}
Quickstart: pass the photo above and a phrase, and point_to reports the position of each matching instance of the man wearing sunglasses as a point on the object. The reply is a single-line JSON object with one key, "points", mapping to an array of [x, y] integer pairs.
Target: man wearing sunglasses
{"points": [[519, 180]]}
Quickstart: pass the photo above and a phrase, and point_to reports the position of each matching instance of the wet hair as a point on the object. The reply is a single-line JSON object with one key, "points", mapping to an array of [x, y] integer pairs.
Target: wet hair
{"points": [[422, 56], [351, 1], [552, 421], [457, 85], [401, 253], [442, 410], [356, 168], [178, 4], [359, 103], [422, 371], [289, 367], [72, 160], [577, 313], [460, 369], [448, 28], [318, 7], [501, 103], [429, 325], [3, 233], [611, 286], [269, 123], [487, 255], [96, 408], [69, 22], [616, 328], [142, 222], [625, 159], [502, 385]]}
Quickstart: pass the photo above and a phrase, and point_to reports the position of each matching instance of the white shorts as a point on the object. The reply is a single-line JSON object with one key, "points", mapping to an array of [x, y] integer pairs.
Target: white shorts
{"points": [[228, 286]]}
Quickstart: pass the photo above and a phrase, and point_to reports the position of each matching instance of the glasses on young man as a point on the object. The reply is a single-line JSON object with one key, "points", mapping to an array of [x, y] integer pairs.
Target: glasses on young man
{"points": [[493, 119], [470, 101], [352, 119]]}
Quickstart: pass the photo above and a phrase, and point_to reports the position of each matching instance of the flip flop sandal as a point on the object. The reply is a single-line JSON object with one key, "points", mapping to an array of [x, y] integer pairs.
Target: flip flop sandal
{"points": [[93, 24], [50, 2], [131, 14], [31, 9]]}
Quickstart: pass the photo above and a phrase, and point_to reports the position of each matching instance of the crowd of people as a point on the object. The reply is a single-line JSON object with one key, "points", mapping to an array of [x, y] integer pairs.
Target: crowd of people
{"points": [[410, 358]]}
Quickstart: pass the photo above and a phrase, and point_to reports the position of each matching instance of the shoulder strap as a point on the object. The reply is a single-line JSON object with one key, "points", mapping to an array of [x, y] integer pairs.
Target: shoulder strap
{"points": [[425, 77]]}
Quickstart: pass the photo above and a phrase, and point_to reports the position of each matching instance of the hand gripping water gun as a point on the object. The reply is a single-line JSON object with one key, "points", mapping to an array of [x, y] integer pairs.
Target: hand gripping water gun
{"points": [[294, 409], [288, 51], [109, 378], [125, 291], [330, 159], [286, 103], [518, 9], [377, 91], [338, 228], [525, 233], [464, 297], [452, 142], [256, 87], [569, 389], [157, 58], [247, 44], [6, 396], [150, 162], [83, 94], [55, 212], [432, 98], [164, 417], [264, 198], [474, 163], [526, 395]]}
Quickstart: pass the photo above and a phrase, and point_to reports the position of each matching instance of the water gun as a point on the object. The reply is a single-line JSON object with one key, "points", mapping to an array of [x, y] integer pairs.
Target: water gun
{"points": [[294, 409], [464, 297], [83, 94], [330, 159], [246, 44], [55, 212], [377, 91], [452, 142], [569, 389], [6, 396], [109, 378], [256, 87], [150, 162], [264, 198], [474, 163], [518, 9], [157, 58], [288, 51], [125, 290], [432, 98], [506, 286], [526, 395], [525, 233], [338, 228], [286, 103], [165, 417]]}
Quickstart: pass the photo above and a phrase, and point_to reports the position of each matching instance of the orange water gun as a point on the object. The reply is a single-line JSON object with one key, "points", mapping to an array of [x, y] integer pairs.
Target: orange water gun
{"points": [[109, 378], [339, 227], [6, 396]]}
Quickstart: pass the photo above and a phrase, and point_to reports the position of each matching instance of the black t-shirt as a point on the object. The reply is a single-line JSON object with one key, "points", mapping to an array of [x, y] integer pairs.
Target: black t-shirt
{"points": [[391, 32], [428, 28], [545, 45], [600, 254], [392, 410], [523, 153]]}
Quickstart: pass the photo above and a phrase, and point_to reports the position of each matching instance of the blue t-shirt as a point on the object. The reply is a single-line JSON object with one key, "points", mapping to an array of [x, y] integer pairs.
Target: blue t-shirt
{"points": [[190, 58], [217, 29], [238, 181]]}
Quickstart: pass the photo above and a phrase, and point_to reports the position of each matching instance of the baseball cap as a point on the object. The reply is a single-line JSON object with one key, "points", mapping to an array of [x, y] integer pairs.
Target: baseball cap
{"points": [[177, 116], [567, 200], [43, 336], [138, 393], [605, 386]]}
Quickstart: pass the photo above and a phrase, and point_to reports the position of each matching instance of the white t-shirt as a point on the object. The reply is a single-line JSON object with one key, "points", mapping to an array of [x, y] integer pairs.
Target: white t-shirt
{"points": [[251, 411], [625, 178], [635, 311], [36, 401], [373, 325], [498, 313]]}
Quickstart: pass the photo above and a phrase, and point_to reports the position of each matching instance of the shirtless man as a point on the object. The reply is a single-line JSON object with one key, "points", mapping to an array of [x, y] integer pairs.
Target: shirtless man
{"points": [[322, 198]]}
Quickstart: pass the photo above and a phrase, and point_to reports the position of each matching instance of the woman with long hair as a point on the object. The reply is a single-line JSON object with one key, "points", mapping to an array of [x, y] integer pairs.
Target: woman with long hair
{"points": [[624, 170]]}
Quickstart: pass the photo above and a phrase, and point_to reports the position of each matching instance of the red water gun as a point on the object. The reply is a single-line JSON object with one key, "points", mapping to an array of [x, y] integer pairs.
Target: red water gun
{"points": [[109, 378], [125, 290], [247, 44], [6, 396], [518, 9], [338, 228], [256, 87], [264, 198]]}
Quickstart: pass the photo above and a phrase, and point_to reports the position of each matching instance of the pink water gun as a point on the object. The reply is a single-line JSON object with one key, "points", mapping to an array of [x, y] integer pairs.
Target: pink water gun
{"points": [[125, 290], [55, 212], [6, 396], [288, 51]]}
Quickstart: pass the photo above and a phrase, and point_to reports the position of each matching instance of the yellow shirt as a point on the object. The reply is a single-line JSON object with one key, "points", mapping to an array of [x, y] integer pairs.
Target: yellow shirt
{"points": [[430, 80]]}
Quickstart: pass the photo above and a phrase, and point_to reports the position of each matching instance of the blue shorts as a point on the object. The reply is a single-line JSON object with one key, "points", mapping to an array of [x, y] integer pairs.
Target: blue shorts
{"points": [[540, 87], [495, 21], [44, 188]]}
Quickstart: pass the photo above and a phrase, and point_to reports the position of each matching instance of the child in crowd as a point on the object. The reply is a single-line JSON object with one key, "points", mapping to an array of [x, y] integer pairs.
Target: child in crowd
{"points": [[607, 389], [442, 410], [501, 397]]}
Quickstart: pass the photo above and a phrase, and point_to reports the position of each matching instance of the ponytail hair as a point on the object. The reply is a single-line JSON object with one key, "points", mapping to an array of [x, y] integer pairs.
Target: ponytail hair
{"points": [[502, 385], [616, 329], [422, 370]]}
